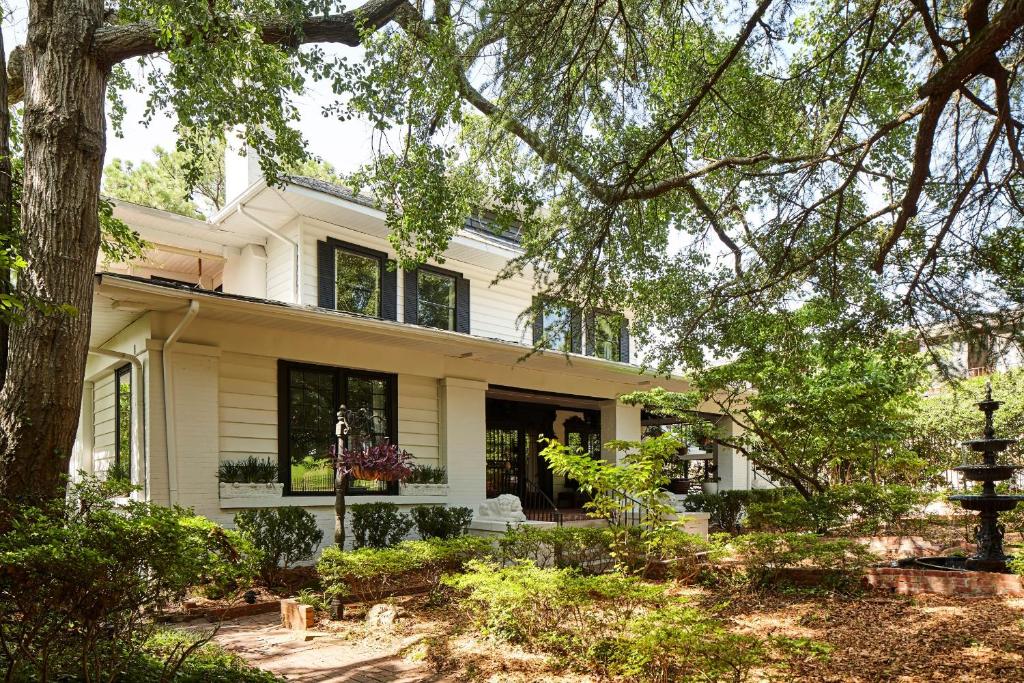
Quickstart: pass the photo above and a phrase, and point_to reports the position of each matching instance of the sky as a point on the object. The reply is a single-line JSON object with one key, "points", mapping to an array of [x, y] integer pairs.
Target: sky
{"points": [[346, 145]]}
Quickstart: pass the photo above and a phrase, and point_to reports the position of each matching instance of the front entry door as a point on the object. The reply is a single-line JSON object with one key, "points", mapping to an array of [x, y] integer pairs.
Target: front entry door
{"points": [[506, 460]]}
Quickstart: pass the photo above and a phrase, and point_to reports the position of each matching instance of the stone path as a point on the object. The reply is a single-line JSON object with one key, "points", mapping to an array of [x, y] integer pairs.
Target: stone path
{"points": [[321, 659]]}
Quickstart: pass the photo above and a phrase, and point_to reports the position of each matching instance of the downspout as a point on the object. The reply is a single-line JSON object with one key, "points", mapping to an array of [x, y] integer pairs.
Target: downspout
{"points": [[169, 423], [138, 413], [296, 248]]}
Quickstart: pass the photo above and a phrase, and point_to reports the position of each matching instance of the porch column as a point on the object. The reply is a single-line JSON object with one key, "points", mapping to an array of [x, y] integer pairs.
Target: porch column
{"points": [[733, 467], [463, 427], [618, 422]]}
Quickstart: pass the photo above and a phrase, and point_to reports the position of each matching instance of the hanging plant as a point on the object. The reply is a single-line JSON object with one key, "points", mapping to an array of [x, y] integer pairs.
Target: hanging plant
{"points": [[383, 462]]}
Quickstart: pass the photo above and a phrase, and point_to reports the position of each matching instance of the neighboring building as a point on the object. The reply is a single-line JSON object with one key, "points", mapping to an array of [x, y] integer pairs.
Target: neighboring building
{"points": [[242, 336], [994, 347]]}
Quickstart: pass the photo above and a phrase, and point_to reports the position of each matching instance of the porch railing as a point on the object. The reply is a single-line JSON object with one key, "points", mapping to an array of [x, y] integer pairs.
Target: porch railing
{"points": [[537, 505], [630, 513]]}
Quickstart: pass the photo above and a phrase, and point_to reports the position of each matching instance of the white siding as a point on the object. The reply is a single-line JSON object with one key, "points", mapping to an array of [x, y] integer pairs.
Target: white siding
{"points": [[281, 266], [418, 418], [248, 406], [248, 410], [494, 309], [103, 423]]}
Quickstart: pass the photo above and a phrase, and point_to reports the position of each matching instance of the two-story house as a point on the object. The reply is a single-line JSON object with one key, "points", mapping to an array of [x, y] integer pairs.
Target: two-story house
{"points": [[243, 335]]}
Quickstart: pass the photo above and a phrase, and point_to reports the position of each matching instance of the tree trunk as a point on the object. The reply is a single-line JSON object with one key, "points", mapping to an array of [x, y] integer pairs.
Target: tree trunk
{"points": [[64, 132], [6, 199]]}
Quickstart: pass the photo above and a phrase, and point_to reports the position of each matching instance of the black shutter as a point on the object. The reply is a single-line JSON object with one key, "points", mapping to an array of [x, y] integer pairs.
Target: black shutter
{"points": [[411, 297], [575, 331], [325, 283], [462, 305], [624, 340], [538, 321], [389, 291], [591, 328]]}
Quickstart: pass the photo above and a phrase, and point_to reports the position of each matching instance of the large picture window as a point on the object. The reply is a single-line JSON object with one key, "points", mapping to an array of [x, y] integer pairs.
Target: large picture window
{"points": [[123, 419], [310, 397]]}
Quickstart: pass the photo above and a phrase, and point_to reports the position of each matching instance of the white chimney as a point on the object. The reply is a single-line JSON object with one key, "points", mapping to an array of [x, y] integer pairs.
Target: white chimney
{"points": [[241, 166]]}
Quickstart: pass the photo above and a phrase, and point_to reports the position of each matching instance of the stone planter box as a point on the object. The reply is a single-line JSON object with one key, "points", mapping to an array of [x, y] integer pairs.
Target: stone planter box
{"points": [[423, 489], [250, 495]]}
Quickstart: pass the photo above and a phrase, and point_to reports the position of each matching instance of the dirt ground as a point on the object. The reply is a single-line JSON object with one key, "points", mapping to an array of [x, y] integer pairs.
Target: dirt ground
{"points": [[868, 638]]}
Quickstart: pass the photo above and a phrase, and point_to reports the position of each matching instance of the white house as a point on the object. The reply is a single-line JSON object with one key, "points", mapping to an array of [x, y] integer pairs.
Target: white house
{"points": [[242, 336]]}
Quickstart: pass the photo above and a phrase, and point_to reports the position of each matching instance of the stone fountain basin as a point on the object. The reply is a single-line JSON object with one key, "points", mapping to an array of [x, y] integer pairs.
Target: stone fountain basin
{"points": [[989, 445], [981, 503], [987, 472]]}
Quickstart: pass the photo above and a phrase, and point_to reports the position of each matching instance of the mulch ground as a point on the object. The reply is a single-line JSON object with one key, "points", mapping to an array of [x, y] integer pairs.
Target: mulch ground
{"points": [[882, 638]]}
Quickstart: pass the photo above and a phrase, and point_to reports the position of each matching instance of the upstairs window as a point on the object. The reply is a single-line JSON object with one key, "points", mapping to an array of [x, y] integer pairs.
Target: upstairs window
{"points": [[608, 336], [356, 279], [123, 419], [557, 327], [438, 298], [607, 330], [357, 283]]}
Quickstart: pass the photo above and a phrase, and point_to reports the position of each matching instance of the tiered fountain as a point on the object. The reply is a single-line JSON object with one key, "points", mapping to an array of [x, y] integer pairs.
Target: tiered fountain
{"points": [[989, 532]]}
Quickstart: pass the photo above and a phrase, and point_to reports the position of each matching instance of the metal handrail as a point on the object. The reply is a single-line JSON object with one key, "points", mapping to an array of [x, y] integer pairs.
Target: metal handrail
{"points": [[539, 503], [632, 511]]}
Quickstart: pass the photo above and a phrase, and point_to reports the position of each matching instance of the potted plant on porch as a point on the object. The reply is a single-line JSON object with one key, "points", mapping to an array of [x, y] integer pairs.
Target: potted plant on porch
{"points": [[425, 480]]}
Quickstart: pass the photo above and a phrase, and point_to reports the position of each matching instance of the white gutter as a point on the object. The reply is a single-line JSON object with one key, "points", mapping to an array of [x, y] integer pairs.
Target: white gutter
{"points": [[169, 423], [274, 233], [138, 454]]}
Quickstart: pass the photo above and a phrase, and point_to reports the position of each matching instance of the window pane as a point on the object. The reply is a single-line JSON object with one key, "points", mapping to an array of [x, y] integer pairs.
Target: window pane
{"points": [[123, 447], [557, 321], [606, 336], [311, 429], [368, 397], [357, 280], [436, 300]]}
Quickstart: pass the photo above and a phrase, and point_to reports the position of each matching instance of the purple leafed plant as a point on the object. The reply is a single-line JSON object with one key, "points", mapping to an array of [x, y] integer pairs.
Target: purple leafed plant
{"points": [[388, 460]]}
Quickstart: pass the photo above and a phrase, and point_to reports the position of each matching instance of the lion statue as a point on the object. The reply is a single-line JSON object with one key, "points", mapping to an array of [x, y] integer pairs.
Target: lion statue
{"points": [[505, 507]]}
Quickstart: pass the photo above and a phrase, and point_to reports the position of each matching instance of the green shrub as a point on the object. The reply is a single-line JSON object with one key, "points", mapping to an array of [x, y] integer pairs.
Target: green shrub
{"points": [[683, 556], [588, 549], [427, 474], [372, 574], [378, 525], [437, 521], [284, 536], [677, 643], [613, 625], [726, 509], [1016, 565], [205, 663], [80, 579], [765, 556], [860, 508], [252, 470]]}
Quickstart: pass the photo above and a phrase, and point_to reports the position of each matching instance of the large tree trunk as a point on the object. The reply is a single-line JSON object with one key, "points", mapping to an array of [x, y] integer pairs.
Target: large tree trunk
{"points": [[64, 145]]}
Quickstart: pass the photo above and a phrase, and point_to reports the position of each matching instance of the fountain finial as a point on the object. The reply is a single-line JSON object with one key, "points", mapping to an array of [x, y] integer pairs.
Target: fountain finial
{"points": [[988, 389]]}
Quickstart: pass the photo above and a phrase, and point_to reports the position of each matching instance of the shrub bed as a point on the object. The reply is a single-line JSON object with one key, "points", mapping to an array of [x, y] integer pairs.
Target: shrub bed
{"points": [[372, 574]]}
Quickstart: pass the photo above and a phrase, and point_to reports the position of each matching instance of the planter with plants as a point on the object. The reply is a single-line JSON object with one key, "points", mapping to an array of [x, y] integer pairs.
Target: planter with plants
{"points": [[249, 483], [425, 480]]}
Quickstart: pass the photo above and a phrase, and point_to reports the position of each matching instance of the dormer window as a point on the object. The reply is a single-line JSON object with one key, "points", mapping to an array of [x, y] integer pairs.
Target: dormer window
{"points": [[437, 298], [355, 279]]}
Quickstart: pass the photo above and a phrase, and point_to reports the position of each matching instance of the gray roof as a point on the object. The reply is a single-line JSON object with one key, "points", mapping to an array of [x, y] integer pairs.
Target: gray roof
{"points": [[483, 221]]}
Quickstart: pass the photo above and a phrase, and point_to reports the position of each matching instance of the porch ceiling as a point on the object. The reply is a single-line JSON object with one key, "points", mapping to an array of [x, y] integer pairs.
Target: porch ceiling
{"points": [[119, 298]]}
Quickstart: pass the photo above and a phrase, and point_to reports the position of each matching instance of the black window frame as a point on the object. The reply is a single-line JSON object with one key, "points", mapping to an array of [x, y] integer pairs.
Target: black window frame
{"points": [[451, 275], [341, 375], [125, 369], [591, 335], [573, 334], [327, 283], [462, 294]]}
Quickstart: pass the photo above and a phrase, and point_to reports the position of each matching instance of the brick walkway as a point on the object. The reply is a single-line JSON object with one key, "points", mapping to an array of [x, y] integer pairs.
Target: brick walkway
{"points": [[323, 659]]}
